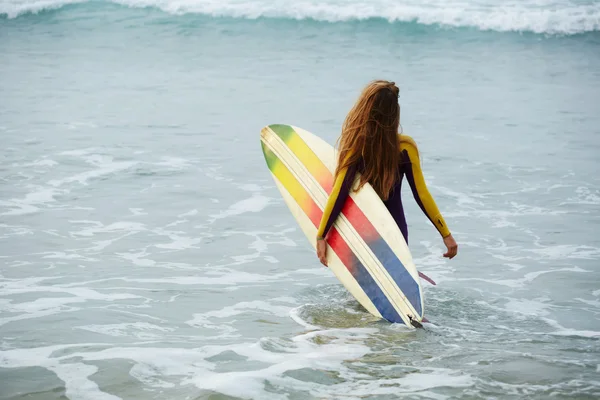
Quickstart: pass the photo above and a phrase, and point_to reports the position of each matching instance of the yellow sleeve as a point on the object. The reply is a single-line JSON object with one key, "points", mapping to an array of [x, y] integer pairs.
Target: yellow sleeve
{"points": [[419, 187], [331, 212]]}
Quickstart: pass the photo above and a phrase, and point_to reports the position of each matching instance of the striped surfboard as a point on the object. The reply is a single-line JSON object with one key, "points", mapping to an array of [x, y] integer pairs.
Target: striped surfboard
{"points": [[367, 251]]}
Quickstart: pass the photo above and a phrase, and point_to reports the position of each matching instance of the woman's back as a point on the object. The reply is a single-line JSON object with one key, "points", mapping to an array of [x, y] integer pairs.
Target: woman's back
{"points": [[409, 166], [370, 145]]}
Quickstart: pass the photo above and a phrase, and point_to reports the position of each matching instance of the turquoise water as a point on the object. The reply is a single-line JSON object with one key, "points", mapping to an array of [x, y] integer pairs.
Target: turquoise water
{"points": [[145, 252]]}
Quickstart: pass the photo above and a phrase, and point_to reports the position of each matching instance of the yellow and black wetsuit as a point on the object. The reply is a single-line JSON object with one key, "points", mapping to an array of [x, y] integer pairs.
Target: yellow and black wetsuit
{"points": [[409, 167]]}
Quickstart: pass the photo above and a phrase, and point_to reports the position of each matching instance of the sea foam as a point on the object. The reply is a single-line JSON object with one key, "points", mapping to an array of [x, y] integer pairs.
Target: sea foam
{"points": [[545, 16]]}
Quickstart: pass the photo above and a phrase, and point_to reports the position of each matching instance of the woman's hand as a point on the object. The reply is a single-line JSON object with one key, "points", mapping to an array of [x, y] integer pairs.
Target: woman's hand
{"points": [[451, 245], [322, 251]]}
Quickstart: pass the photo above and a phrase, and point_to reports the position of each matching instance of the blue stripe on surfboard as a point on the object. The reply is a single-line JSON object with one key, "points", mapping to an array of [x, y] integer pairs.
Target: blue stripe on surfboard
{"points": [[368, 285], [398, 272]]}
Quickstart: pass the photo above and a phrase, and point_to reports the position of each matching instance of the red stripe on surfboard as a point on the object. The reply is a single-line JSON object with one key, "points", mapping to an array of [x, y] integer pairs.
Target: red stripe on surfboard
{"points": [[312, 210], [315, 213], [334, 239], [341, 248], [359, 220]]}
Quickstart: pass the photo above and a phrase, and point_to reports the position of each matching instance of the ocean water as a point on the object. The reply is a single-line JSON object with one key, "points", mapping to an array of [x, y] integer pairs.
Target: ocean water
{"points": [[145, 252]]}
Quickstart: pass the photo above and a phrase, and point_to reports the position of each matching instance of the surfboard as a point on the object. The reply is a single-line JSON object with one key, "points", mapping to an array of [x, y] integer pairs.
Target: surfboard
{"points": [[366, 250]]}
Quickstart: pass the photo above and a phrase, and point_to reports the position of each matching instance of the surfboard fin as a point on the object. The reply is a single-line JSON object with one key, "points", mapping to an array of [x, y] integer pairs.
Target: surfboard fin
{"points": [[428, 279]]}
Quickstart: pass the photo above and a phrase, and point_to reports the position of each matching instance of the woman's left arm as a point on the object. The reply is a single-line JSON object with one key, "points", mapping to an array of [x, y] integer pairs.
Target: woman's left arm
{"points": [[424, 199]]}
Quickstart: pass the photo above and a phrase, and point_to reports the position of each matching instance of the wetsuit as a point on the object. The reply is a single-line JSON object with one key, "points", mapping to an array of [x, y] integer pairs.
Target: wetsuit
{"points": [[409, 167]]}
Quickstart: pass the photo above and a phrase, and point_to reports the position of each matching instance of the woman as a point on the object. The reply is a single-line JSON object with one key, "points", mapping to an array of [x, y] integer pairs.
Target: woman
{"points": [[370, 144]]}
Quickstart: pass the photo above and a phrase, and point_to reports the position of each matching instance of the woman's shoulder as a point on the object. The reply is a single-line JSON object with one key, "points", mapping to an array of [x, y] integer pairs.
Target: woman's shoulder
{"points": [[407, 143]]}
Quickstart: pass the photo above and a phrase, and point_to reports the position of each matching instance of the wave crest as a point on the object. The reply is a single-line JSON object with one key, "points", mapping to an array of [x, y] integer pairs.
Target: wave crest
{"points": [[537, 16]]}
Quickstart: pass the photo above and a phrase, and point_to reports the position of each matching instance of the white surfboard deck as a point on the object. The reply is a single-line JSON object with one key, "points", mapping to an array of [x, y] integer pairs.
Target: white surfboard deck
{"points": [[367, 252]]}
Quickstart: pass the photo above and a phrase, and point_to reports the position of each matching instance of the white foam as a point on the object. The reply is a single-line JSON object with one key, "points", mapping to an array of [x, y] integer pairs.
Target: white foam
{"points": [[78, 152], [86, 221], [140, 330], [36, 314], [507, 16], [502, 218], [53, 233], [161, 367], [256, 203], [563, 251], [528, 307], [204, 319], [43, 306], [188, 213], [177, 242], [413, 382], [224, 278], [31, 202], [584, 195], [16, 231], [515, 267], [100, 245], [104, 168], [595, 303], [121, 226], [174, 162], [81, 293], [75, 375], [304, 353], [137, 211], [14, 8], [318, 270], [295, 315], [534, 275], [61, 255], [461, 198], [539, 16], [45, 162], [44, 195], [261, 245], [520, 282], [212, 172], [148, 375], [137, 258], [180, 243], [562, 331], [77, 384], [503, 223]]}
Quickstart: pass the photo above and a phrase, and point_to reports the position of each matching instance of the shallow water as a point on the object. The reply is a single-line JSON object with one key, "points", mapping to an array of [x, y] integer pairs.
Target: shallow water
{"points": [[146, 253]]}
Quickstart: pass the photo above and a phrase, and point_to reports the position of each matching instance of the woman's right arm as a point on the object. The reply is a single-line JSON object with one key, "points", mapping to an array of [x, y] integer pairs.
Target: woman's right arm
{"points": [[333, 207], [335, 202]]}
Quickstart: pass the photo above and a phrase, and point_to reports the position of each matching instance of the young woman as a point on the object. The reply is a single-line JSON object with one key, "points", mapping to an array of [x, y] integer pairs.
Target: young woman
{"points": [[370, 144]]}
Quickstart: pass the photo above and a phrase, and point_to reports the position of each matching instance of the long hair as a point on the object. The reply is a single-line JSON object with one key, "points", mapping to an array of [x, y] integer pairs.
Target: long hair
{"points": [[370, 135]]}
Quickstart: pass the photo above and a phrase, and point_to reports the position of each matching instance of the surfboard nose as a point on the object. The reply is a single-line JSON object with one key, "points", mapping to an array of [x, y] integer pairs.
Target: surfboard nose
{"points": [[264, 132]]}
